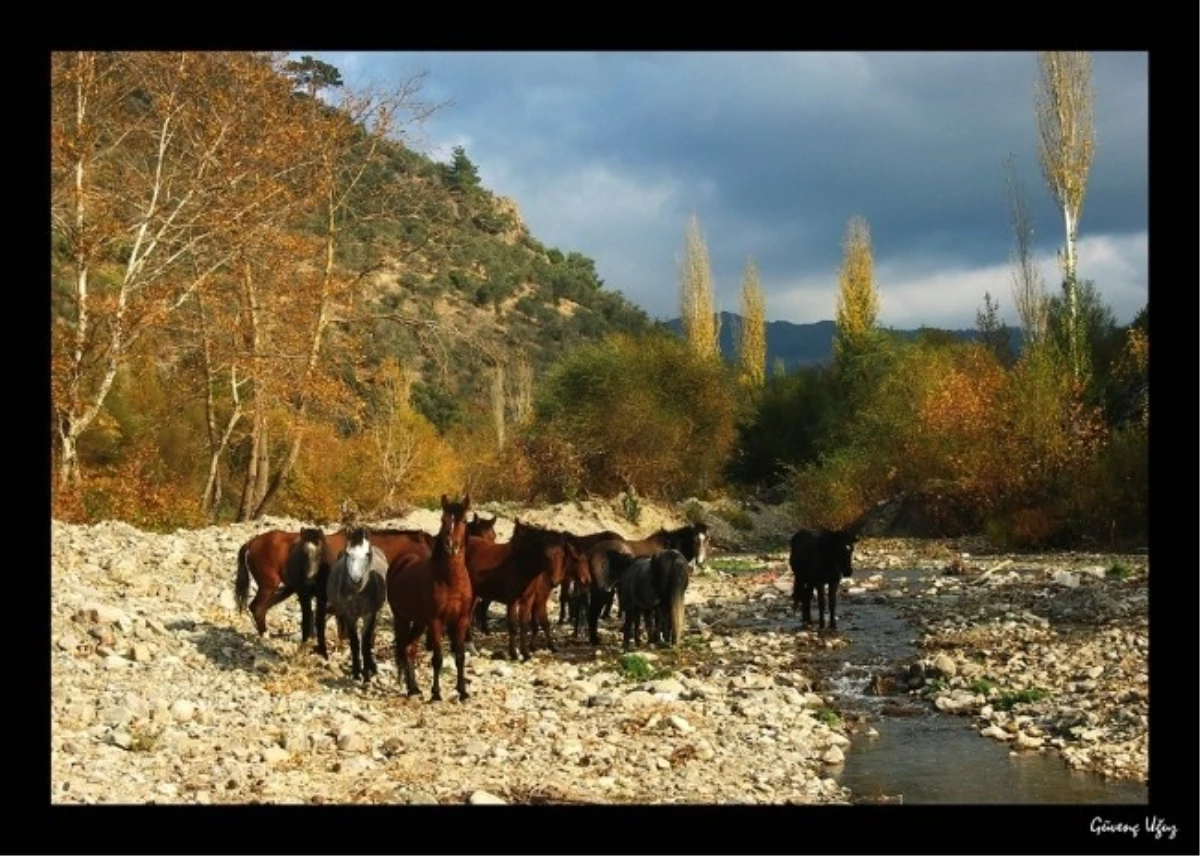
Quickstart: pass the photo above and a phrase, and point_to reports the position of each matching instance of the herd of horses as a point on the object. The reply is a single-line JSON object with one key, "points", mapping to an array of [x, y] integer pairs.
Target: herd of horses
{"points": [[442, 585]]}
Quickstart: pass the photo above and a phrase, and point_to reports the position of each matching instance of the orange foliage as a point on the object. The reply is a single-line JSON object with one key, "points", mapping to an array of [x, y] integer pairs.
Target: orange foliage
{"points": [[138, 490]]}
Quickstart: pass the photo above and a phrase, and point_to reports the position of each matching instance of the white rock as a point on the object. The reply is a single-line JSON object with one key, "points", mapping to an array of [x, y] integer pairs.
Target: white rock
{"points": [[484, 798], [833, 756]]}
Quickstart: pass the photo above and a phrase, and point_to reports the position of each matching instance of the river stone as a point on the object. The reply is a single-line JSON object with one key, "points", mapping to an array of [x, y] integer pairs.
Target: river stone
{"points": [[485, 798], [833, 756]]}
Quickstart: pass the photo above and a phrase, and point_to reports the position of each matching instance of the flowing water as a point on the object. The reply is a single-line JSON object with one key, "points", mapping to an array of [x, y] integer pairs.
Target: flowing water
{"points": [[924, 756]]}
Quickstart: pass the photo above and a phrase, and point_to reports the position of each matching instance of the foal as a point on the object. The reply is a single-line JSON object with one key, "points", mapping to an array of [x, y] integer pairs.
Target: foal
{"points": [[357, 589], [433, 591]]}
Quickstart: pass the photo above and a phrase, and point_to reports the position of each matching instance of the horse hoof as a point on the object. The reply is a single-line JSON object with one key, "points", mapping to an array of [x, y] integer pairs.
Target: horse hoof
{"points": [[435, 697]]}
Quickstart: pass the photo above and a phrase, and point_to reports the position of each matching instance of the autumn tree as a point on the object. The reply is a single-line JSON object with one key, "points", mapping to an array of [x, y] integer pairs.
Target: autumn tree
{"points": [[148, 153], [1066, 142], [857, 301], [701, 324], [350, 136], [752, 330]]}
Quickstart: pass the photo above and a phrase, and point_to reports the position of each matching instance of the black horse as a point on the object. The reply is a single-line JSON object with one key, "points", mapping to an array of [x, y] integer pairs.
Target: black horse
{"points": [[820, 558], [690, 541], [652, 587]]}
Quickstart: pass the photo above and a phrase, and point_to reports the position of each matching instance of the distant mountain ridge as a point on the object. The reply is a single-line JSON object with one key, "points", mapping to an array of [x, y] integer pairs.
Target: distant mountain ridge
{"points": [[809, 344]]}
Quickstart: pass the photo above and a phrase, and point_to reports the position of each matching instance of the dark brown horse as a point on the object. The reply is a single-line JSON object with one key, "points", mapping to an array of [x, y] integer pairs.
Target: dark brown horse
{"points": [[431, 592], [481, 527], [509, 572], [281, 564]]}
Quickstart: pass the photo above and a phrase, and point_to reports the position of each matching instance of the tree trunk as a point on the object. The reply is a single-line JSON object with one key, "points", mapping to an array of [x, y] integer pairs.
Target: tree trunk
{"points": [[1072, 295]]}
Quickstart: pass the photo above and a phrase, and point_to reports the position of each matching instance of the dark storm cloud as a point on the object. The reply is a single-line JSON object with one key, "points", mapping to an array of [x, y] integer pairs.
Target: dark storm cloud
{"points": [[608, 154]]}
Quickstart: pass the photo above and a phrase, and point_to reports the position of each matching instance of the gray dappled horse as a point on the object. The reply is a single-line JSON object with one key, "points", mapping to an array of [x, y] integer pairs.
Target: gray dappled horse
{"points": [[357, 590]]}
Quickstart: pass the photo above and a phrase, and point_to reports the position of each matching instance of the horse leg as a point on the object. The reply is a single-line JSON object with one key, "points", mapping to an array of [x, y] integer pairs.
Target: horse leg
{"points": [[322, 618], [833, 590], [524, 616], [481, 615], [564, 601], [513, 621], [628, 631], [806, 591], [821, 605], [458, 646], [370, 667], [435, 642], [265, 598], [594, 606], [405, 632], [543, 617], [355, 653], [306, 615]]}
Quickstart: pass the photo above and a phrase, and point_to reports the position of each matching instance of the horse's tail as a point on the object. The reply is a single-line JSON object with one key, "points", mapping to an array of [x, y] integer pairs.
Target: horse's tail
{"points": [[675, 611], [241, 586]]}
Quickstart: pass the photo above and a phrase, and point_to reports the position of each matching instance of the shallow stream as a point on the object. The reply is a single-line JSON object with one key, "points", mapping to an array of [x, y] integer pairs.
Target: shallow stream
{"points": [[922, 755]]}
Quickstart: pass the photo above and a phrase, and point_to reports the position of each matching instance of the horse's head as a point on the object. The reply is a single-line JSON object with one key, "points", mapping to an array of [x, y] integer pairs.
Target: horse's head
{"points": [[453, 534], [312, 543], [576, 564], [700, 543], [358, 553], [481, 527], [843, 550]]}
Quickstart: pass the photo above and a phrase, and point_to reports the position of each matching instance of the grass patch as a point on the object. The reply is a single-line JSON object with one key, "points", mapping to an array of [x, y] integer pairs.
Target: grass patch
{"points": [[934, 686], [1119, 571], [635, 667], [693, 512], [828, 716], [983, 686], [1010, 698], [735, 564]]}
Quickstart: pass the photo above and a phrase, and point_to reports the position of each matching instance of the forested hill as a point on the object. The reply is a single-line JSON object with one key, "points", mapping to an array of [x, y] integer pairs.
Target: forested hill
{"points": [[466, 262]]}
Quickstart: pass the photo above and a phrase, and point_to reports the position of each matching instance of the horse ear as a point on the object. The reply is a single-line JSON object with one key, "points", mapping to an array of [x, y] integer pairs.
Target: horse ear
{"points": [[445, 502], [466, 502]]}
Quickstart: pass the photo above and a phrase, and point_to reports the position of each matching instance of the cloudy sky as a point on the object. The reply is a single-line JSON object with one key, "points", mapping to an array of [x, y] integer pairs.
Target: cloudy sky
{"points": [[608, 154]]}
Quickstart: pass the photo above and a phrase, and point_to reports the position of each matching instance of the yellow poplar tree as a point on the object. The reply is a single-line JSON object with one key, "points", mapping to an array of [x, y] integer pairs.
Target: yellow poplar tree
{"points": [[752, 333], [701, 326], [858, 301]]}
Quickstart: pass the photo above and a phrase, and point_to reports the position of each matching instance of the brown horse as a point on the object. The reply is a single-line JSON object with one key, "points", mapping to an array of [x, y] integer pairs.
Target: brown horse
{"points": [[533, 605], [582, 544], [481, 527], [509, 573], [432, 592], [282, 564]]}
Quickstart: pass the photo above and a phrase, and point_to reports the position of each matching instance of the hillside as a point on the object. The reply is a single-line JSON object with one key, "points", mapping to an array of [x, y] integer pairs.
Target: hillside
{"points": [[809, 344], [462, 259]]}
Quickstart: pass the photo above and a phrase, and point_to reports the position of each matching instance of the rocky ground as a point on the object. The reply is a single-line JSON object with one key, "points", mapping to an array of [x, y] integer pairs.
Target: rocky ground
{"points": [[162, 693]]}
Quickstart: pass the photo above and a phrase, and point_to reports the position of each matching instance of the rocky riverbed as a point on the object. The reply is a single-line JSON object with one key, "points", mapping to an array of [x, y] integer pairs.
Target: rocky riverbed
{"points": [[162, 693]]}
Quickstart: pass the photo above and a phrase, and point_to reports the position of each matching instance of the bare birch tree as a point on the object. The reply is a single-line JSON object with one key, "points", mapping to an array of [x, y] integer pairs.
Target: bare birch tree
{"points": [[1066, 142], [701, 324], [146, 153], [351, 137], [1029, 293]]}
